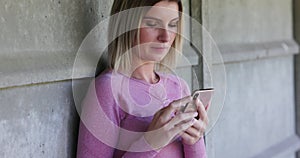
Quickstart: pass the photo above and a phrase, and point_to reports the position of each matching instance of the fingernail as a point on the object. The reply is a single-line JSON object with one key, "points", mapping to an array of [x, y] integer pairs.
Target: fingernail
{"points": [[192, 121], [195, 114]]}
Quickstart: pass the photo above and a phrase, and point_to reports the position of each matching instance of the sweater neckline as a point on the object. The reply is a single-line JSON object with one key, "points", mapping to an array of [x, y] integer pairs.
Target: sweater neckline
{"points": [[160, 76]]}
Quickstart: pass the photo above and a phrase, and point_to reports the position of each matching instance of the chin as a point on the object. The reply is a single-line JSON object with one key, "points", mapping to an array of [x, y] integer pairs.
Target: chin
{"points": [[154, 59]]}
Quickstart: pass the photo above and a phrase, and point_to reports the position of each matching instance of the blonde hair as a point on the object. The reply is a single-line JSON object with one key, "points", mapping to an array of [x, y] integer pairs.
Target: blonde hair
{"points": [[123, 31]]}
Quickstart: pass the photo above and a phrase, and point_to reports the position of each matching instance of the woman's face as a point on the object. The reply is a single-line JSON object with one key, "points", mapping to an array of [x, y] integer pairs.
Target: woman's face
{"points": [[157, 32]]}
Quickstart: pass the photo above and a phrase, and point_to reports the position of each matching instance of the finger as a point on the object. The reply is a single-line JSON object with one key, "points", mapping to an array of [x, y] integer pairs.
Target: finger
{"points": [[181, 119], [202, 111], [156, 116], [181, 102], [181, 127], [200, 128], [193, 132], [188, 138], [198, 124], [165, 112], [168, 111]]}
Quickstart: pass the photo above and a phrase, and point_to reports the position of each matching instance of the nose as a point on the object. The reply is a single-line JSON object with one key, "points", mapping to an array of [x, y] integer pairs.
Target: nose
{"points": [[164, 35]]}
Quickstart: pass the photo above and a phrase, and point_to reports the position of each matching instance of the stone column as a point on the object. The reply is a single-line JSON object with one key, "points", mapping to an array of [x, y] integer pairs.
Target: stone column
{"points": [[297, 65], [256, 41]]}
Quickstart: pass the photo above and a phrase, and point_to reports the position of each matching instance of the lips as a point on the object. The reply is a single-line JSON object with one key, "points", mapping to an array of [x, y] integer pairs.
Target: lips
{"points": [[160, 48]]}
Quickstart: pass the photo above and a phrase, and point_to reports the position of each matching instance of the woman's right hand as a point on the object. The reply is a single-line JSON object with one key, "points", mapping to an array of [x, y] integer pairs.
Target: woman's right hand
{"points": [[165, 126]]}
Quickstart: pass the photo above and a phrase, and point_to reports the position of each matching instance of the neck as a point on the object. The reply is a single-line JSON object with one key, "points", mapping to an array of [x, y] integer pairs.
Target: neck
{"points": [[145, 72]]}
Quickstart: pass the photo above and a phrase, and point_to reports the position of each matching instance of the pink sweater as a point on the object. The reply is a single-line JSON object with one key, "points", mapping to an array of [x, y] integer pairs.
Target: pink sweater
{"points": [[116, 112]]}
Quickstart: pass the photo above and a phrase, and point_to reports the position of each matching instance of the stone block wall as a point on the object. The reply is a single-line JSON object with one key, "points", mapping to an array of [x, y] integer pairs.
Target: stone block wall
{"points": [[39, 41], [257, 43]]}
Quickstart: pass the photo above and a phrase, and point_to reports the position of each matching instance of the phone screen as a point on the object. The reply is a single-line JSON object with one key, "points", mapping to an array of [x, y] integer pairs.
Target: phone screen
{"points": [[205, 96]]}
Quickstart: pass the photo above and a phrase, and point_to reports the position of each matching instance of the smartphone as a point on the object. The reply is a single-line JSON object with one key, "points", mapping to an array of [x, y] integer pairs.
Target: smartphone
{"points": [[205, 96]]}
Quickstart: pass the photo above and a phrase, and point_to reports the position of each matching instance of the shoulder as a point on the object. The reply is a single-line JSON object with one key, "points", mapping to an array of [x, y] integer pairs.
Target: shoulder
{"points": [[106, 92], [109, 81], [102, 86], [173, 79], [103, 79]]}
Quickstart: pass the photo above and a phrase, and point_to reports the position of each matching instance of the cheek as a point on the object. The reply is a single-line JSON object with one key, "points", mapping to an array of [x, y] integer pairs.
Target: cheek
{"points": [[146, 36], [173, 36]]}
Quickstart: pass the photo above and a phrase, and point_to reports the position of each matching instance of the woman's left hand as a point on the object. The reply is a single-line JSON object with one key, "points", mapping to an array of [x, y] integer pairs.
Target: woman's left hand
{"points": [[196, 132]]}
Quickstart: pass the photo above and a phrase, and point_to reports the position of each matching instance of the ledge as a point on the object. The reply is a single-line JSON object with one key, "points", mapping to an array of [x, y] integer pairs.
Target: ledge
{"points": [[289, 145], [232, 53], [26, 68], [19, 69]]}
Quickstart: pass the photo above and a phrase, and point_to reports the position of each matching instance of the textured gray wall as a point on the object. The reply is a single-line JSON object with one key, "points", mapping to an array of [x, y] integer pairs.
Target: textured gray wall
{"points": [[242, 21], [297, 59], [38, 121], [57, 25], [297, 64], [258, 110], [256, 40], [39, 40]]}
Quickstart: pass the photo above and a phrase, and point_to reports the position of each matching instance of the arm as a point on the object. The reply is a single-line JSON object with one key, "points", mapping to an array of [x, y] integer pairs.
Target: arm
{"points": [[99, 117], [196, 150], [193, 137], [165, 127], [141, 145], [99, 126]]}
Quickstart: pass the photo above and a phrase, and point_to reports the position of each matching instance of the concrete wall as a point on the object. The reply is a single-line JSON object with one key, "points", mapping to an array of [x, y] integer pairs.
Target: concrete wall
{"points": [[39, 41], [256, 40], [57, 25], [297, 64], [38, 121]]}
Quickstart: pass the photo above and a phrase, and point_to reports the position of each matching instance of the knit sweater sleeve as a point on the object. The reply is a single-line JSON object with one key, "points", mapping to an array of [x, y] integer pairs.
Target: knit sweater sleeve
{"points": [[196, 150], [100, 126], [98, 132]]}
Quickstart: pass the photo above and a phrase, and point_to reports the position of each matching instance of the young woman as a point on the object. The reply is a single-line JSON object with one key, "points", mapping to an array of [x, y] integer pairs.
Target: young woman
{"points": [[133, 109]]}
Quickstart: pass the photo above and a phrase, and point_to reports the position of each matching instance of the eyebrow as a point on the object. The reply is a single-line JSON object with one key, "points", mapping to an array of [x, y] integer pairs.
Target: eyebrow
{"points": [[148, 17]]}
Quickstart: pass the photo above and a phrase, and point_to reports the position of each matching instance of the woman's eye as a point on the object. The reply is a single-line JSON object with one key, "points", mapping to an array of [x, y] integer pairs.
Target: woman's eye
{"points": [[151, 24], [175, 24]]}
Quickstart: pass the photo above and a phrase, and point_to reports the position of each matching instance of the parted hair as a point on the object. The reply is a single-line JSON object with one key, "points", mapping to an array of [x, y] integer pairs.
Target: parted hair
{"points": [[125, 19]]}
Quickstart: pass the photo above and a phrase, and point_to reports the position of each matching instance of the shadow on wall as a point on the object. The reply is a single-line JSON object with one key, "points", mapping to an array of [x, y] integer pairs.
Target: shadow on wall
{"points": [[102, 64], [94, 12]]}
